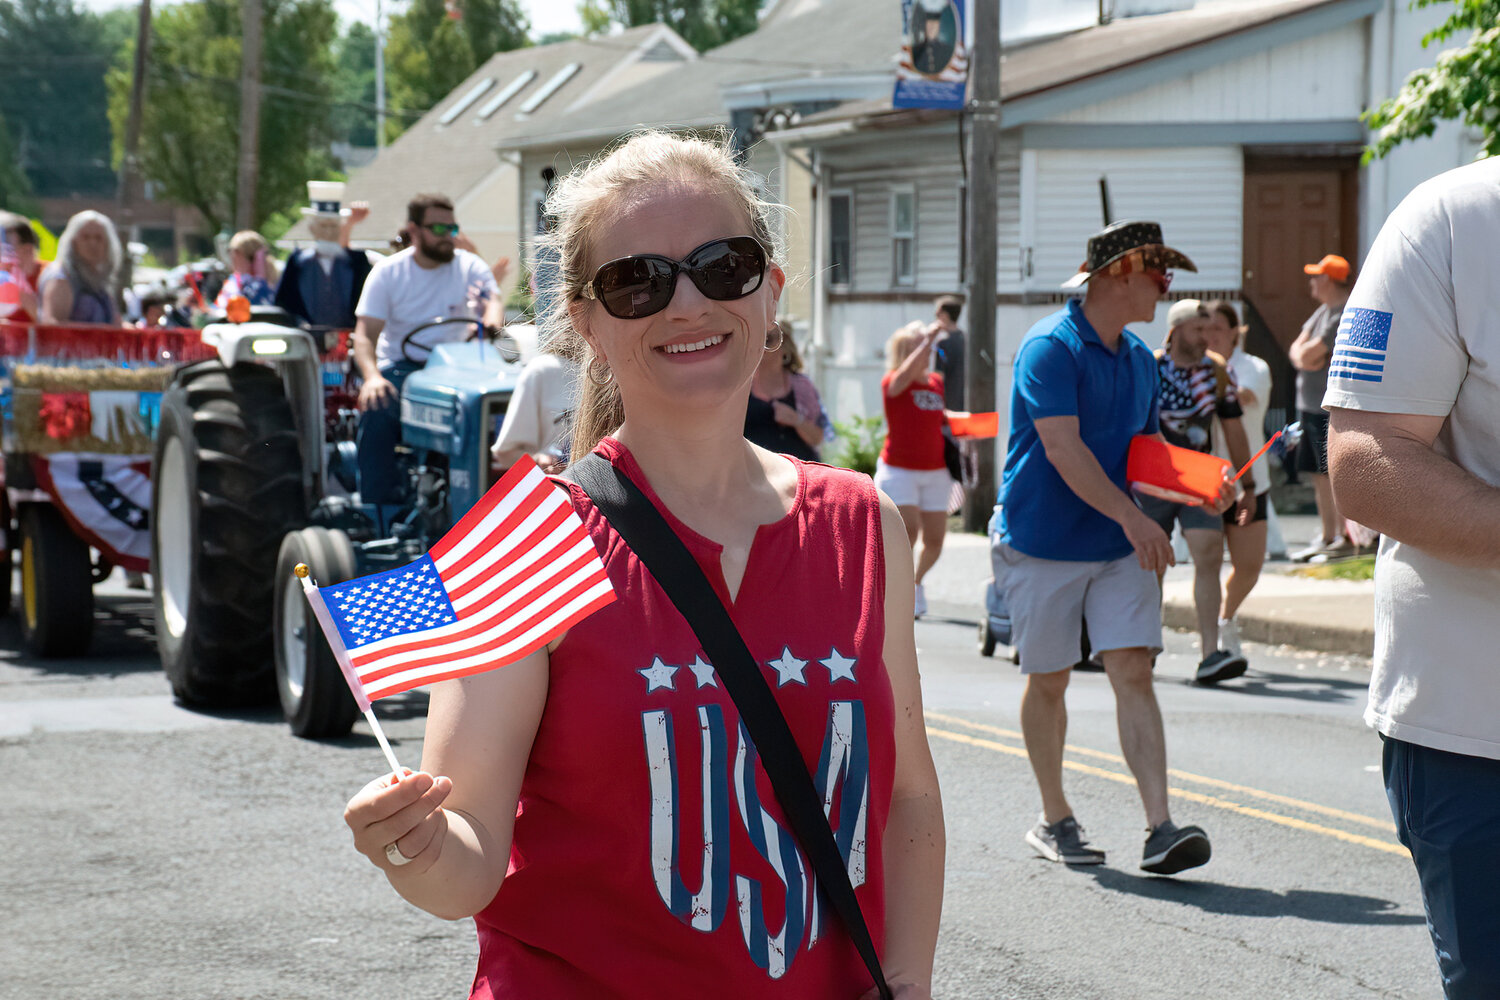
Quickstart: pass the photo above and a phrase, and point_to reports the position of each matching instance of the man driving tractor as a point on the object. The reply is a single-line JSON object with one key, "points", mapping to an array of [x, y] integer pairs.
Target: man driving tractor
{"points": [[430, 280]]}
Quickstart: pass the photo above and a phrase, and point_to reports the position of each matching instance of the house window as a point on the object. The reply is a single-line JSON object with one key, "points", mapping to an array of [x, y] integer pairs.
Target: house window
{"points": [[840, 238], [904, 235], [473, 94]]}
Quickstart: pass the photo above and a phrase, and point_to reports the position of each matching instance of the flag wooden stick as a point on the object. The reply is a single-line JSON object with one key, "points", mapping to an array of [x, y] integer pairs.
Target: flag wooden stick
{"points": [[331, 633], [1252, 461]]}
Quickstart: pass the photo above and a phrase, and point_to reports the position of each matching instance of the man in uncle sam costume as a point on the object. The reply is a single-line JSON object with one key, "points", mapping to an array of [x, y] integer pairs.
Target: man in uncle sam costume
{"points": [[322, 284]]}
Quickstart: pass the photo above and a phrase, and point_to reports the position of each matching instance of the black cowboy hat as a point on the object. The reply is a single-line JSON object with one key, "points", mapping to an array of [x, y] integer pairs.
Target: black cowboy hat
{"points": [[1114, 242]]}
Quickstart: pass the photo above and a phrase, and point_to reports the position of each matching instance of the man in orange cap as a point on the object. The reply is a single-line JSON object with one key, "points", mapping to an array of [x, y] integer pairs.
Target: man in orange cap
{"points": [[1330, 281]]}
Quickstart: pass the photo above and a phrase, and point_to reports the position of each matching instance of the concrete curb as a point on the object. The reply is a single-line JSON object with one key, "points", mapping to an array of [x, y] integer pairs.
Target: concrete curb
{"points": [[1267, 626]]}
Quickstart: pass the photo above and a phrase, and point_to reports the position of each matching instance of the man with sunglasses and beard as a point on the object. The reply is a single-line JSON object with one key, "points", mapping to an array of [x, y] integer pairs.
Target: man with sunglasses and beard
{"points": [[431, 279], [1075, 545]]}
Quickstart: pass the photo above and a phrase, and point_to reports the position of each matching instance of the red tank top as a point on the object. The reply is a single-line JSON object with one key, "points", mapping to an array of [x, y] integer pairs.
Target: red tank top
{"points": [[914, 424], [650, 855]]}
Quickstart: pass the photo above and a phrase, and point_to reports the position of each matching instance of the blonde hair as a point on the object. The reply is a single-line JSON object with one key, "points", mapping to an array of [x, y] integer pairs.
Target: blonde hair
{"points": [[256, 250], [792, 358], [899, 346], [581, 202]]}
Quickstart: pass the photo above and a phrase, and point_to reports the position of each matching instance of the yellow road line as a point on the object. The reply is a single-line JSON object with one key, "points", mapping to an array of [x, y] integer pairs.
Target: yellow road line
{"points": [[1209, 800], [1285, 800]]}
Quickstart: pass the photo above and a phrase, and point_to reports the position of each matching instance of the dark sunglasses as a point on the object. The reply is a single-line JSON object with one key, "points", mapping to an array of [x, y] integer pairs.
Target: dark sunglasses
{"points": [[448, 229], [643, 284]]}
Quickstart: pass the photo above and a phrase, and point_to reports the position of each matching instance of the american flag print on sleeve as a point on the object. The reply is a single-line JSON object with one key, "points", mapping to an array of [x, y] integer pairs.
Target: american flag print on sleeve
{"points": [[1359, 350], [514, 573]]}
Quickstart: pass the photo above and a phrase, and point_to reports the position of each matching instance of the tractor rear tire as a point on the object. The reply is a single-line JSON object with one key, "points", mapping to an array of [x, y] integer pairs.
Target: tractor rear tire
{"points": [[227, 485], [57, 592], [315, 697]]}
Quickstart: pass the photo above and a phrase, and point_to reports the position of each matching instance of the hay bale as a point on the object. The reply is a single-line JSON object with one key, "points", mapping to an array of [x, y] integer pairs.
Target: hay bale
{"points": [[58, 378], [31, 437]]}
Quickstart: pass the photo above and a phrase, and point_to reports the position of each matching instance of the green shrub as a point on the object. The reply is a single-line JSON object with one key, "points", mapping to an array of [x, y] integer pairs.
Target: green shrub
{"points": [[859, 442]]}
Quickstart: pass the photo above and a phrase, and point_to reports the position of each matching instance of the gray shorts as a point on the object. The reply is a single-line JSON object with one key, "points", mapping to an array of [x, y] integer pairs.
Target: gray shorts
{"points": [[1191, 517], [1050, 598]]}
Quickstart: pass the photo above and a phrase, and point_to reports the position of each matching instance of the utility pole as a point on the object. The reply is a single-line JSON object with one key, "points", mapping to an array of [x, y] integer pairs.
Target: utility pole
{"points": [[251, 16], [127, 192], [982, 251], [379, 76]]}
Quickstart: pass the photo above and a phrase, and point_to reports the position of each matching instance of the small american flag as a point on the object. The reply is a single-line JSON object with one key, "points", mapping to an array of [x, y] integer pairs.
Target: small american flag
{"points": [[1360, 347], [515, 572]]}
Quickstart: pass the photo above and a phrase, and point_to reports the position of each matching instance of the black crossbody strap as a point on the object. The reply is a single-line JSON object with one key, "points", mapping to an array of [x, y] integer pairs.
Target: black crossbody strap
{"points": [[652, 540]]}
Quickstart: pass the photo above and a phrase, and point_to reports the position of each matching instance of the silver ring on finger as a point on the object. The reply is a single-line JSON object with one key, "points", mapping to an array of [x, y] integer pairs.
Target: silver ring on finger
{"points": [[394, 856]]}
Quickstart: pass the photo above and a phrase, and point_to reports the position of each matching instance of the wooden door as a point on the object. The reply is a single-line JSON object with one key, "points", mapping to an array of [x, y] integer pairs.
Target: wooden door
{"points": [[1296, 210]]}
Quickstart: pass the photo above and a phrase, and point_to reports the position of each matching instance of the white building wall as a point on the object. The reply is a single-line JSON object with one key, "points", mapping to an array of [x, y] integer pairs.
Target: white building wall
{"points": [[488, 214], [1196, 193], [1395, 51], [1319, 79], [857, 327]]}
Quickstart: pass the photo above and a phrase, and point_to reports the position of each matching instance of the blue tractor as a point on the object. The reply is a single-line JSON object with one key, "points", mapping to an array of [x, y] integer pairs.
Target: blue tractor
{"points": [[250, 481]]}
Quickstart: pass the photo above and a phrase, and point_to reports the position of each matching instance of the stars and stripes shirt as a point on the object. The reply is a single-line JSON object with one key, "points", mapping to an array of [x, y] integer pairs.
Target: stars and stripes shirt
{"points": [[649, 848], [1191, 398]]}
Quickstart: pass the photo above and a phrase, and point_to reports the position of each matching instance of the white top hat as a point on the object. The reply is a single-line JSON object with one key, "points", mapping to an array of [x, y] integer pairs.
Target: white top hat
{"points": [[327, 199]]}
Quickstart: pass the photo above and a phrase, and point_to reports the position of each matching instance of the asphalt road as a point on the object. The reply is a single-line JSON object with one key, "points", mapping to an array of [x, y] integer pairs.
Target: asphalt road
{"points": [[154, 852]]}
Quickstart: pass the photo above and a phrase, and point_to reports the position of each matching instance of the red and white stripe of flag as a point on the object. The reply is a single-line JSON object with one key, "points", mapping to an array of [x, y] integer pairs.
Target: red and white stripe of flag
{"points": [[519, 568]]}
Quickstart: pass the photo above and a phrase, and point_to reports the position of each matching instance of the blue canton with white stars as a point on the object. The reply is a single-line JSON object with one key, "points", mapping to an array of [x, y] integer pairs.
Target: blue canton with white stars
{"points": [[1359, 351], [399, 601]]}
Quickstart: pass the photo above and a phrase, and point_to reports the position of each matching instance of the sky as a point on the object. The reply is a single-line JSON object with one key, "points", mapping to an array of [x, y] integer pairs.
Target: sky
{"points": [[546, 15]]}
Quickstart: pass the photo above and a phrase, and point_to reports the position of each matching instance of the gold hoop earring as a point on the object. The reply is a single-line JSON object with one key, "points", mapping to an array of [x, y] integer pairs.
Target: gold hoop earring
{"points": [[770, 347], [593, 373]]}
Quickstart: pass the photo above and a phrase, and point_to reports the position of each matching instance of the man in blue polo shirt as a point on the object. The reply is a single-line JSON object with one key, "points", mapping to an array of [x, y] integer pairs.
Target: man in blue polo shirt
{"points": [[1074, 545]]}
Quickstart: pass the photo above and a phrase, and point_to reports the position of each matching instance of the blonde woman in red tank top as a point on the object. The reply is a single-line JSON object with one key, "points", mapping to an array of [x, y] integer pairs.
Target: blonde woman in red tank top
{"points": [[597, 807], [911, 470]]}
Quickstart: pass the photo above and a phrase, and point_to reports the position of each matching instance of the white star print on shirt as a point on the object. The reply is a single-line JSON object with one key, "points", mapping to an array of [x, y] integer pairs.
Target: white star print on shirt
{"points": [[788, 668], [658, 675], [840, 667], [703, 673]]}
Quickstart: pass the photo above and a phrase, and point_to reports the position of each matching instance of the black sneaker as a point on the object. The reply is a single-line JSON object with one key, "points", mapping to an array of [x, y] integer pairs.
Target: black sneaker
{"points": [[1063, 841], [1171, 849], [1091, 664], [1220, 665]]}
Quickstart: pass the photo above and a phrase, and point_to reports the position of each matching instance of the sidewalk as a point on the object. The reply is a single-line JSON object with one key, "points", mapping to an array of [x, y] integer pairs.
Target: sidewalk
{"points": [[1336, 616]]}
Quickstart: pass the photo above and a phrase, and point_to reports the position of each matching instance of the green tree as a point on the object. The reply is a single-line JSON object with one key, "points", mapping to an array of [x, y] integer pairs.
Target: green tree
{"points": [[53, 59], [703, 23], [1463, 83], [354, 86], [428, 52], [189, 137], [15, 189]]}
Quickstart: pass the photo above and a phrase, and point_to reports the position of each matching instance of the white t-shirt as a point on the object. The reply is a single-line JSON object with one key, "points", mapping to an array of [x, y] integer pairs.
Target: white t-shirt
{"points": [[541, 407], [1421, 335], [1254, 375], [405, 295]]}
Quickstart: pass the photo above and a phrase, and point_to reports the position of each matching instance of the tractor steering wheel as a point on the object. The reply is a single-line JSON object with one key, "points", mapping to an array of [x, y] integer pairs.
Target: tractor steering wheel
{"points": [[504, 342]]}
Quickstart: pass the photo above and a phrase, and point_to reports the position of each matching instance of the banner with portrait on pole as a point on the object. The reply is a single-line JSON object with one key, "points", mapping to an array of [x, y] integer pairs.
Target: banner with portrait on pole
{"points": [[933, 68]]}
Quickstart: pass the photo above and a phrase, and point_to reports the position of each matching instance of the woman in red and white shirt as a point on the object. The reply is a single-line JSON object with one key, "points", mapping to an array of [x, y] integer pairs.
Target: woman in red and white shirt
{"points": [[911, 470], [596, 806]]}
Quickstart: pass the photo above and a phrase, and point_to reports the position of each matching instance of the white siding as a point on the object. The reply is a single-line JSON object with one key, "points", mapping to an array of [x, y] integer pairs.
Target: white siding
{"points": [[1009, 262], [1197, 195], [1318, 79], [939, 230], [872, 236]]}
